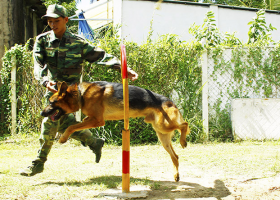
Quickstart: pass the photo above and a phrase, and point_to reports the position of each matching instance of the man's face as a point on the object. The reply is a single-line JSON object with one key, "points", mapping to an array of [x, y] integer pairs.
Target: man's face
{"points": [[58, 25]]}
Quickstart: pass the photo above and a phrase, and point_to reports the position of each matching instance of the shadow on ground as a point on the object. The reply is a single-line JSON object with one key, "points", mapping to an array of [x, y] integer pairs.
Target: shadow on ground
{"points": [[158, 189]]}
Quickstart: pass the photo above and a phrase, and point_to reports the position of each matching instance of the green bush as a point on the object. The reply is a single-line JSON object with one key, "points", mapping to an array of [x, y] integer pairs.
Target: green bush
{"points": [[29, 93]]}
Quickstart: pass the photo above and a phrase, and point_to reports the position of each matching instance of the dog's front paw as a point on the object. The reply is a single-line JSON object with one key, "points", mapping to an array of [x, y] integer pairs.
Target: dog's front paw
{"points": [[62, 139]]}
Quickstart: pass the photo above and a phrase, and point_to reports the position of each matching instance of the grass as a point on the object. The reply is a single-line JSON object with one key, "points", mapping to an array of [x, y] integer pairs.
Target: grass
{"points": [[71, 173]]}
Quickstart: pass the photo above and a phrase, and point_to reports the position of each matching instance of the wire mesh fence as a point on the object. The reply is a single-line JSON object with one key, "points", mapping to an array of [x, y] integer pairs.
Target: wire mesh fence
{"points": [[237, 73]]}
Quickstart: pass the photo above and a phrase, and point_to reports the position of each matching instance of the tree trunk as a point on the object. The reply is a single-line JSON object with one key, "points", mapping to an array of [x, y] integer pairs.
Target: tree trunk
{"points": [[12, 27]]}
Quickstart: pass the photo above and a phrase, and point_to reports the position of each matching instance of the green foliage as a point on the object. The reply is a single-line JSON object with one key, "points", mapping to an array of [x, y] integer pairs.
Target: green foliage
{"points": [[253, 3], [231, 40], [27, 89], [18, 51], [5, 107], [272, 4], [70, 6], [262, 4], [208, 32], [220, 123], [258, 30], [140, 132]]}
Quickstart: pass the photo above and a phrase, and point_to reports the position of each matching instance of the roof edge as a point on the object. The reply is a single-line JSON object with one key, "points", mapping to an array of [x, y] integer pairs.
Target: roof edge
{"points": [[210, 4]]}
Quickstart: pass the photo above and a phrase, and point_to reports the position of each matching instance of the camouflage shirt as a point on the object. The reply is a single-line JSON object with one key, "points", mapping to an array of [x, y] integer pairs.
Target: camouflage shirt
{"points": [[61, 60]]}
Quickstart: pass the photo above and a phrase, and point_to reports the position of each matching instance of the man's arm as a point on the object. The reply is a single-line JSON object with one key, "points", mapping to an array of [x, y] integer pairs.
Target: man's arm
{"points": [[40, 70], [95, 54]]}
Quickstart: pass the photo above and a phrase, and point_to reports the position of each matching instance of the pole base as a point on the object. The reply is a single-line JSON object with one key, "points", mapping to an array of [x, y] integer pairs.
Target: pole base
{"points": [[135, 192]]}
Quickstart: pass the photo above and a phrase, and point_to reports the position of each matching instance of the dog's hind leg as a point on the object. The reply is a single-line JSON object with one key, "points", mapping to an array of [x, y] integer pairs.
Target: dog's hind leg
{"points": [[165, 140], [185, 130]]}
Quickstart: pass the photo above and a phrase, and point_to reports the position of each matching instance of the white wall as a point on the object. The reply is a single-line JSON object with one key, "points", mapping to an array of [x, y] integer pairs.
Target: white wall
{"points": [[235, 21], [176, 17], [256, 118]]}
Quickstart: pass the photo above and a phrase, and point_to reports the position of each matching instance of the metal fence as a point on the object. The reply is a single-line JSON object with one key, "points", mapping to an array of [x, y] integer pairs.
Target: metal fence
{"points": [[242, 73]]}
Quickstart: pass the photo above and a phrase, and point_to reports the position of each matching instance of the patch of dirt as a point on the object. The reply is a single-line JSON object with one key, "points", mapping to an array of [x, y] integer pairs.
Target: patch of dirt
{"points": [[215, 188]]}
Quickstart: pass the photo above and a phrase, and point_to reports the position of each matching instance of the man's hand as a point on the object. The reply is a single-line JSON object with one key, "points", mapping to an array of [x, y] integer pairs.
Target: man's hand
{"points": [[132, 75], [50, 87]]}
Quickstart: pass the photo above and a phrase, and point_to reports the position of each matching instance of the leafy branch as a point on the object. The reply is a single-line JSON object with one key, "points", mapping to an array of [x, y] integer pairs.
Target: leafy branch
{"points": [[259, 30]]}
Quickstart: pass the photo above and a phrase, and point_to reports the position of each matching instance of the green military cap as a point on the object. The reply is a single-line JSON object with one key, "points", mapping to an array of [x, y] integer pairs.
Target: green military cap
{"points": [[55, 11]]}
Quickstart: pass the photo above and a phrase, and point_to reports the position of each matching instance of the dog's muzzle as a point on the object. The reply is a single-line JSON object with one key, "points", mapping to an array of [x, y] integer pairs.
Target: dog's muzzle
{"points": [[54, 113]]}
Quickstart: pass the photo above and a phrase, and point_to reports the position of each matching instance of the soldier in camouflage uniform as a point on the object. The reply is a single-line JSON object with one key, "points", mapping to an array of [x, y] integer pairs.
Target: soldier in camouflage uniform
{"points": [[58, 56]]}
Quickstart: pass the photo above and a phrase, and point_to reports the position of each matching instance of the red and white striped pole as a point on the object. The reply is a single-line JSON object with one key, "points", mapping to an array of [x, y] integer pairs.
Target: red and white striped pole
{"points": [[125, 132]]}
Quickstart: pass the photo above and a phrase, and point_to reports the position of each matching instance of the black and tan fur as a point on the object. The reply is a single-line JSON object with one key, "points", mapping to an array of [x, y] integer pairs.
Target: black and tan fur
{"points": [[101, 101]]}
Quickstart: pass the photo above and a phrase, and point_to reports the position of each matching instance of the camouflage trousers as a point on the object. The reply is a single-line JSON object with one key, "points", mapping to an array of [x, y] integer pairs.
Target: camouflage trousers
{"points": [[49, 130]]}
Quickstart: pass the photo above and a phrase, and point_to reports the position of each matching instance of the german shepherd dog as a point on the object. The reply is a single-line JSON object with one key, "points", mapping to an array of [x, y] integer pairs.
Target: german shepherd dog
{"points": [[101, 101]]}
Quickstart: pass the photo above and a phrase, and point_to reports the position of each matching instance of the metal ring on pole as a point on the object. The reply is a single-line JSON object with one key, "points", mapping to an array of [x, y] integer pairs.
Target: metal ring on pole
{"points": [[123, 61]]}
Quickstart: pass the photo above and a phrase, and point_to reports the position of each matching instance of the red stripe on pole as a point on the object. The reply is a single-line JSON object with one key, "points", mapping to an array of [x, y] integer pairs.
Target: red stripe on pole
{"points": [[125, 162], [124, 63]]}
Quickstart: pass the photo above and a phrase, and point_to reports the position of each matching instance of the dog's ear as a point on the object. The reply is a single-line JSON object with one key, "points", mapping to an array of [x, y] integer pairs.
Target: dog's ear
{"points": [[58, 84], [62, 87], [76, 86]]}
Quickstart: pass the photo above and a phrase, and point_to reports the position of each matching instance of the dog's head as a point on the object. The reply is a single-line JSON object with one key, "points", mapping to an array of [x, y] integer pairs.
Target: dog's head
{"points": [[58, 103]]}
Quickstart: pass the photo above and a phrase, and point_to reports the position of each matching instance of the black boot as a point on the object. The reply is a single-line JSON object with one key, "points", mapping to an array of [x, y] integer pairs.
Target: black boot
{"points": [[36, 168], [96, 147]]}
